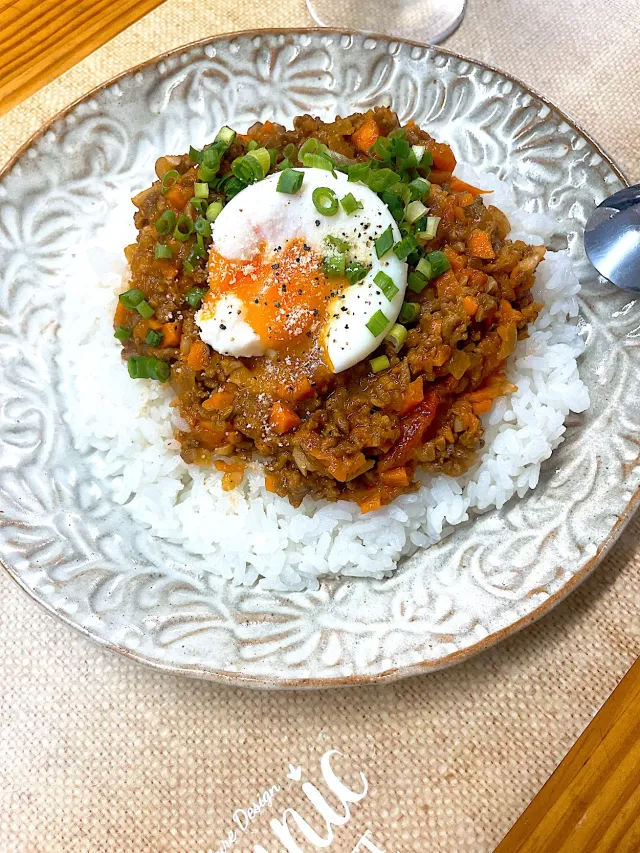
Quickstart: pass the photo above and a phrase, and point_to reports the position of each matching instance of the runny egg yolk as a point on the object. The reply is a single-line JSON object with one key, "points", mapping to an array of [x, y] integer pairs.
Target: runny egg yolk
{"points": [[284, 293]]}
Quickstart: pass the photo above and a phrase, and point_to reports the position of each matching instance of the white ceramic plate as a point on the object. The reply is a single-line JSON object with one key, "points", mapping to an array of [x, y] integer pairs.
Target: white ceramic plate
{"points": [[80, 555]]}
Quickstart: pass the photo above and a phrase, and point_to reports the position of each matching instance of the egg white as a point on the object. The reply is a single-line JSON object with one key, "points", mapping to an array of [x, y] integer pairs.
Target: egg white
{"points": [[259, 214]]}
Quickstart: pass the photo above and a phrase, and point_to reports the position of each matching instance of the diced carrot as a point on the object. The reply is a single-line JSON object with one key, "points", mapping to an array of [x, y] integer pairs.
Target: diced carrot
{"points": [[208, 435], [479, 245], [440, 177], [370, 502], [198, 357], [218, 400], [412, 396], [458, 186], [447, 284], [466, 199], [172, 332], [233, 473], [366, 135], [456, 260], [298, 389], [178, 196], [228, 467], [443, 156], [508, 312], [395, 477], [482, 407], [283, 419], [270, 483], [477, 278], [470, 305], [122, 314]]}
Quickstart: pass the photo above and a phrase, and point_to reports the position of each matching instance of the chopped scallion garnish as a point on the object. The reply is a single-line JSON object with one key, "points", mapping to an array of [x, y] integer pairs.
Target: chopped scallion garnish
{"points": [[394, 203], [419, 188], [414, 211], [424, 268], [284, 164], [355, 272], [382, 179], [358, 172], [350, 204], [290, 181], [122, 333], [379, 363], [418, 151], [290, 152], [131, 298], [162, 252], [317, 161], [169, 180], [325, 201], [382, 148], [183, 229], [439, 263], [263, 158], [377, 323], [148, 367], [195, 155], [431, 227], [153, 338], [214, 210], [165, 223], [202, 226], [386, 284], [226, 136], [404, 247], [416, 281], [334, 266], [340, 244], [201, 190], [144, 309], [396, 336], [384, 242], [409, 312], [194, 296], [199, 204]]}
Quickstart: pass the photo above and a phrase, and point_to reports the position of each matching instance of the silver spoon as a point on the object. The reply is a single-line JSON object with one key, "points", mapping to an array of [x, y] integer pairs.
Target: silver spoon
{"points": [[612, 238]]}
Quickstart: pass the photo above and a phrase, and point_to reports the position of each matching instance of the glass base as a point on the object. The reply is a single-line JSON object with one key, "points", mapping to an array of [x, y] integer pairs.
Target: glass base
{"points": [[420, 20]]}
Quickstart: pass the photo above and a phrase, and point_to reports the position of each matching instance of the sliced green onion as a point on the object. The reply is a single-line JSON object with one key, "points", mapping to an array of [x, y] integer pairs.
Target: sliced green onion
{"points": [[384, 242], [401, 148], [183, 229], [226, 136], [165, 223], [394, 203], [169, 180], [416, 282], [350, 204], [290, 151], [439, 263], [311, 146], [379, 363], [131, 298], [414, 211], [247, 169], [284, 164], [340, 244], [418, 151], [252, 145], [214, 210], [377, 323], [404, 247], [122, 333], [382, 148], [409, 312], [398, 133], [205, 173], [317, 161], [211, 157], [355, 272], [153, 338], [199, 246], [145, 310], [386, 284], [396, 336], [195, 155], [162, 252], [325, 201], [334, 266], [273, 156], [201, 190], [199, 204], [431, 228], [358, 172], [147, 367], [232, 187], [424, 268], [420, 188], [194, 296], [263, 158], [202, 226], [381, 179], [290, 181]]}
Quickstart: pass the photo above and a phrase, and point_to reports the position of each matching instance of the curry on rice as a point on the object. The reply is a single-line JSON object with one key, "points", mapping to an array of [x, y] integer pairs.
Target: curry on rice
{"points": [[362, 433]]}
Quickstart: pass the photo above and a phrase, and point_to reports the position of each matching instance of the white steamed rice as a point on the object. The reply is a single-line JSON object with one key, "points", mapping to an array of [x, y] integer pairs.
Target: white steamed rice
{"points": [[249, 534]]}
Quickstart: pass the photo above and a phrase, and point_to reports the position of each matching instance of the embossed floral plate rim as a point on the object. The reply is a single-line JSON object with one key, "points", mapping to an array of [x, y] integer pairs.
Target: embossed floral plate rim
{"points": [[392, 673]]}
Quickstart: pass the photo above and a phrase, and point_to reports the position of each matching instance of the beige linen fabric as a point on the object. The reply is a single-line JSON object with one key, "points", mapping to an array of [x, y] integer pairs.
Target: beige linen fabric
{"points": [[98, 754]]}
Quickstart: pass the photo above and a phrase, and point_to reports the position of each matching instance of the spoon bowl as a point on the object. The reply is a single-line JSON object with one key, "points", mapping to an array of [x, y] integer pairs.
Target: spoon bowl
{"points": [[612, 238]]}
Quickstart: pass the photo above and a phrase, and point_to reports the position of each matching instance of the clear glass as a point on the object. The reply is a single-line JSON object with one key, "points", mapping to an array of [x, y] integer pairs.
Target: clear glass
{"points": [[420, 20]]}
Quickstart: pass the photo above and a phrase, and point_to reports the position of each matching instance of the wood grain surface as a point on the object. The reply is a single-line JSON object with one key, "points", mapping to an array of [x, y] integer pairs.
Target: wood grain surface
{"points": [[591, 804], [39, 39]]}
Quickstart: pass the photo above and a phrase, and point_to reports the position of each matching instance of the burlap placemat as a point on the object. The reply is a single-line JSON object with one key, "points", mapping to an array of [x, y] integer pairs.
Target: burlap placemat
{"points": [[97, 754]]}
